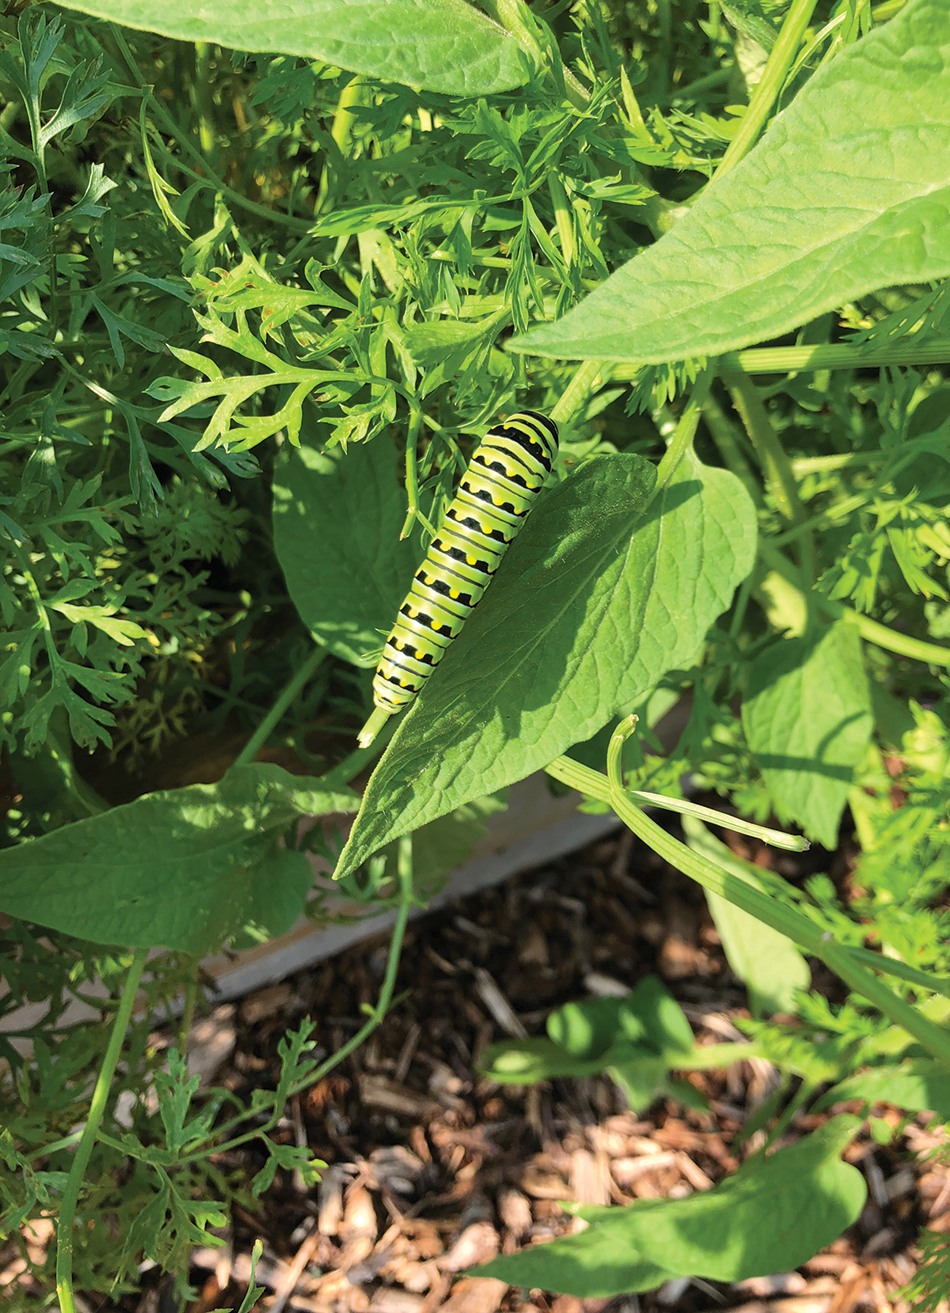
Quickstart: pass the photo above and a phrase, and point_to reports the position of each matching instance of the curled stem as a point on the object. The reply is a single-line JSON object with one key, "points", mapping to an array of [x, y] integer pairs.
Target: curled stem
{"points": [[748, 896]]}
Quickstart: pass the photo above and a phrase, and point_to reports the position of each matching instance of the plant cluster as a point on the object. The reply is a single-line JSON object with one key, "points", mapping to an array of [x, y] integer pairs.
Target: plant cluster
{"points": [[257, 308]]}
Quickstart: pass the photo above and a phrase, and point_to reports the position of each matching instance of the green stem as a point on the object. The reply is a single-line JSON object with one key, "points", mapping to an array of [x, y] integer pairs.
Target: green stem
{"points": [[685, 430], [774, 460], [587, 377], [724, 434], [893, 966], [793, 843], [562, 216], [100, 1095], [794, 1105], [287, 695], [404, 870], [516, 18], [745, 895], [770, 85], [188, 1011], [204, 174], [341, 132], [412, 474], [795, 359], [869, 629], [203, 97]]}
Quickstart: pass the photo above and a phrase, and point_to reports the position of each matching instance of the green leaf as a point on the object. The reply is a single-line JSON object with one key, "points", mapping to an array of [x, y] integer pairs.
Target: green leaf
{"points": [[771, 1215], [807, 717], [586, 1029], [919, 1086], [174, 1090], [643, 1080], [282, 882], [183, 868], [337, 517], [123, 632], [441, 45], [593, 603], [768, 963], [526, 1061], [663, 1020], [846, 193]]}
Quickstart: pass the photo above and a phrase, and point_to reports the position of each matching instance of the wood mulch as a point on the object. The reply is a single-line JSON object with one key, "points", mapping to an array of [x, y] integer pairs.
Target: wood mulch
{"points": [[434, 1169]]}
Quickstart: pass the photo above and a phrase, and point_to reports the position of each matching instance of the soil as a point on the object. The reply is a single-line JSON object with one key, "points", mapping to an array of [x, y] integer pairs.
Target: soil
{"points": [[434, 1169]]}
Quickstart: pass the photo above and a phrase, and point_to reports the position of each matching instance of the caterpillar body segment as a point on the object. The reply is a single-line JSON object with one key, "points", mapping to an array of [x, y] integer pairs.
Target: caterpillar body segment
{"points": [[506, 472]]}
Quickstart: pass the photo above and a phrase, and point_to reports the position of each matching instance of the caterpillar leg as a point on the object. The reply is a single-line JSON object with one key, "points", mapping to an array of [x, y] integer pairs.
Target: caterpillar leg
{"points": [[372, 727]]}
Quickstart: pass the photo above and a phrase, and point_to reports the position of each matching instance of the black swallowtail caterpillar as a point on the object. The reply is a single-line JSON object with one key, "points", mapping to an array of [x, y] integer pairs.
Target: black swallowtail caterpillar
{"points": [[507, 471]]}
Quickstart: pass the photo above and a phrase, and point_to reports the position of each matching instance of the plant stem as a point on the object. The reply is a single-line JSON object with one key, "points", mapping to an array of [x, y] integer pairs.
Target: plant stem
{"points": [[341, 132], [724, 434], [775, 463], [562, 215], [100, 1095], [793, 843], [770, 85], [516, 19], [206, 174], [412, 473], [188, 1011], [586, 377], [685, 430], [794, 1105], [795, 359], [202, 91], [404, 872], [893, 966], [287, 695], [869, 629], [747, 896], [407, 898]]}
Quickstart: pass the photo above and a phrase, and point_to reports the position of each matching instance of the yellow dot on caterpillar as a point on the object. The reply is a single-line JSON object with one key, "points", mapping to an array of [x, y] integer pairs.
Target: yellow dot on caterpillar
{"points": [[437, 625], [472, 560], [453, 594]]}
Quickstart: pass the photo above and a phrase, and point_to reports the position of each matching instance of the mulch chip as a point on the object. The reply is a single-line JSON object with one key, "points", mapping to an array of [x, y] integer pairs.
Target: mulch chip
{"points": [[433, 1169]]}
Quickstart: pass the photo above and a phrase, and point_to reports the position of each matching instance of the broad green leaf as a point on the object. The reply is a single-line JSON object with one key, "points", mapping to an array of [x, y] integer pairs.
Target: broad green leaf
{"points": [[846, 193], [771, 1215], [337, 517], [277, 896], [526, 1061], [182, 869], [662, 1018], [587, 1028], [593, 603], [807, 717], [441, 45], [768, 963], [920, 1086], [642, 1079]]}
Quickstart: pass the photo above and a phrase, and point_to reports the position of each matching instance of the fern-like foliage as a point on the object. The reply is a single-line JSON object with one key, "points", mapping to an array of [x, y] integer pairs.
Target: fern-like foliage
{"points": [[104, 508], [927, 1292]]}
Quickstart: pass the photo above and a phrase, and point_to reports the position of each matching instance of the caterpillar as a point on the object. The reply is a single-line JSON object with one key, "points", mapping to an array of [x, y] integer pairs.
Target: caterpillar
{"points": [[507, 471]]}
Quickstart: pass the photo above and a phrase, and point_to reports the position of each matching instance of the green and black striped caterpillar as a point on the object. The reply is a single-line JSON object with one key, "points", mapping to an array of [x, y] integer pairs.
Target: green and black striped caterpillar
{"points": [[507, 471]]}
